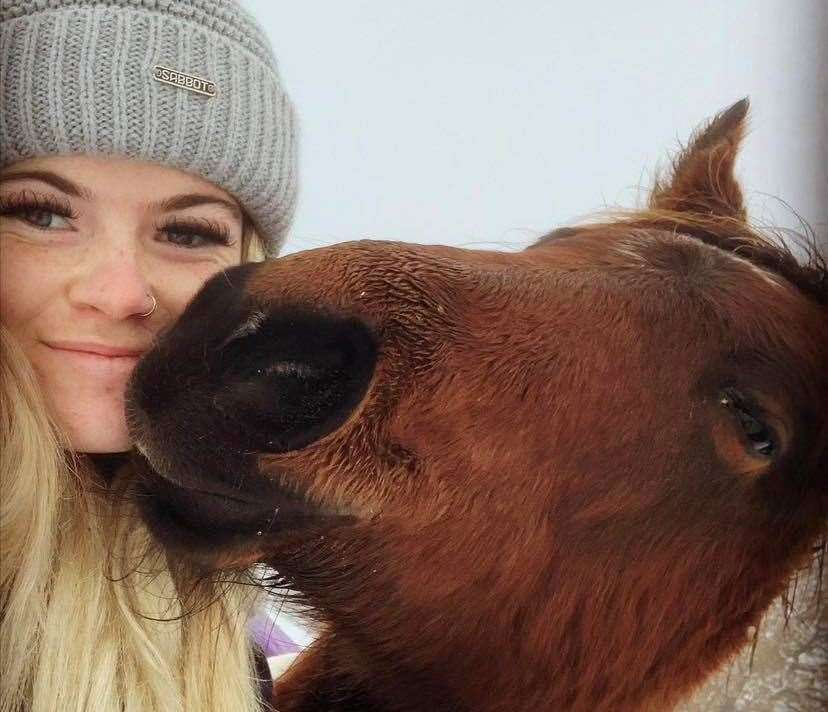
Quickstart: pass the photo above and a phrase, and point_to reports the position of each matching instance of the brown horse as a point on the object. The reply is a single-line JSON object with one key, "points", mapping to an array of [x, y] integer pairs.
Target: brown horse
{"points": [[569, 478]]}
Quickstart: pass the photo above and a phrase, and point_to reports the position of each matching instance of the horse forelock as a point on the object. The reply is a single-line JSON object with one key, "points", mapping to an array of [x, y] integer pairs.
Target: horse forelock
{"points": [[773, 252]]}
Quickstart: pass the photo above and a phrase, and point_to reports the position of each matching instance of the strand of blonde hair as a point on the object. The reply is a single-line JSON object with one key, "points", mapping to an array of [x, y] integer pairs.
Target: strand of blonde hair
{"points": [[92, 618]]}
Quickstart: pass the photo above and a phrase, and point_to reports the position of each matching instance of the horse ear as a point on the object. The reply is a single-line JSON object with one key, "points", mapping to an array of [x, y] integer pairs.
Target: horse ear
{"points": [[702, 180]]}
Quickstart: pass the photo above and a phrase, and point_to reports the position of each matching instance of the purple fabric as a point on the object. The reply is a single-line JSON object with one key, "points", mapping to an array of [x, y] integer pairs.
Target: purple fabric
{"points": [[271, 638]]}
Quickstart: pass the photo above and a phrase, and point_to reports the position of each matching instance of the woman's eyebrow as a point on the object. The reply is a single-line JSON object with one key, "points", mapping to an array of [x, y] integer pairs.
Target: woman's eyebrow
{"points": [[63, 184], [177, 202], [189, 200]]}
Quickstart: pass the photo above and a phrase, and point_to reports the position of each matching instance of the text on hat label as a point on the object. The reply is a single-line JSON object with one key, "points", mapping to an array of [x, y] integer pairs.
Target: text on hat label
{"points": [[186, 81]]}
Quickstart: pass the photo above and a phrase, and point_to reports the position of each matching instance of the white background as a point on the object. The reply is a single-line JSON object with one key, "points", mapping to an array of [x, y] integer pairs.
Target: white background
{"points": [[483, 123]]}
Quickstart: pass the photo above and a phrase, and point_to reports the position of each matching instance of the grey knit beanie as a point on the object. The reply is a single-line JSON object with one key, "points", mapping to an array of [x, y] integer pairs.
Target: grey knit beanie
{"points": [[189, 84]]}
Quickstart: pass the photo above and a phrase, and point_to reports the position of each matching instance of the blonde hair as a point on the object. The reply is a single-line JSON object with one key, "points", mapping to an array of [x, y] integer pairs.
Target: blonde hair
{"points": [[93, 617]]}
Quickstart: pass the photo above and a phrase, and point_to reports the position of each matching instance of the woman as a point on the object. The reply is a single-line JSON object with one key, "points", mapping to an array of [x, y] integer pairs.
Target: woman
{"points": [[146, 145]]}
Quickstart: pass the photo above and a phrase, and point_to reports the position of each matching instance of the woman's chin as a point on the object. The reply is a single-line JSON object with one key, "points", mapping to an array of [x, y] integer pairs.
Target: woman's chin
{"points": [[98, 428]]}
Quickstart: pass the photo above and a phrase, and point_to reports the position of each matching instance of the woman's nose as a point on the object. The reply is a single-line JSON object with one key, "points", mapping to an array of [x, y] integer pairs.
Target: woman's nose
{"points": [[115, 284]]}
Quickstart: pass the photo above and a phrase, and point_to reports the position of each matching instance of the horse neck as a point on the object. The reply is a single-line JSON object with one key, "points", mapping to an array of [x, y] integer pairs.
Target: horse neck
{"points": [[582, 632]]}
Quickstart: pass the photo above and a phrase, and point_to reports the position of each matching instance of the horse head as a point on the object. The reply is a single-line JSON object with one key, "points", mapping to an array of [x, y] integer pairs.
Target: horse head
{"points": [[566, 478]]}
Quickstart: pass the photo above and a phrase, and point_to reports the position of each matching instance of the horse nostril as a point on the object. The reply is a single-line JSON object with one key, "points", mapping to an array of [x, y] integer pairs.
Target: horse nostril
{"points": [[246, 328], [294, 378]]}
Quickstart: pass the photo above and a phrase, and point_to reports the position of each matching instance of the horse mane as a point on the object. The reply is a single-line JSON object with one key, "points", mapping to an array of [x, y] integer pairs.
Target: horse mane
{"points": [[772, 250], [699, 196]]}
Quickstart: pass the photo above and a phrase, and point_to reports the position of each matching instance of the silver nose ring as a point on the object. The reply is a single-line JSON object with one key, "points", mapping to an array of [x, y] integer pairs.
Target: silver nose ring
{"points": [[152, 308]]}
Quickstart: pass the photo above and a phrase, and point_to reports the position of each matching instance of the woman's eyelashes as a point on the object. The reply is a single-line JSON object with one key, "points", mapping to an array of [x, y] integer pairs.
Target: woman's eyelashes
{"points": [[47, 213], [192, 232], [41, 211]]}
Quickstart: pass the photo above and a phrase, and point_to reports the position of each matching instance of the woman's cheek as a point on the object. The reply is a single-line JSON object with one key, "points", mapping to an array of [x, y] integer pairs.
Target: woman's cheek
{"points": [[176, 287], [29, 281]]}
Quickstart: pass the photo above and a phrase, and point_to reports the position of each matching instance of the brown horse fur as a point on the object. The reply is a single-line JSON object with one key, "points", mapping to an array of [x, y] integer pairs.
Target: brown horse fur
{"points": [[569, 478]]}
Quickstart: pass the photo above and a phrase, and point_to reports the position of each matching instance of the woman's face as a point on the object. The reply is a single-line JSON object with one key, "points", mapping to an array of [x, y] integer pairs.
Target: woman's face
{"points": [[84, 242]]}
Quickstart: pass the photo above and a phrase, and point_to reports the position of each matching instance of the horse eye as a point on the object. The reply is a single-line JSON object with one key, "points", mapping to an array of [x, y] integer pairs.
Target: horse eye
{"points": [[759, 436]]}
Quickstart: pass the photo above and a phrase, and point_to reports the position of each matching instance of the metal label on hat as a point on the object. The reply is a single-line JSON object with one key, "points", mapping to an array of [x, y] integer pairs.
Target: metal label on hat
{"points": [[175, 78]]}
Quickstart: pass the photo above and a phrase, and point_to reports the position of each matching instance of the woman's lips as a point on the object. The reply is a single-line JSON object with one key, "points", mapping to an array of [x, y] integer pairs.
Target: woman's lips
{"points": [[97, 359], [97, 349]]}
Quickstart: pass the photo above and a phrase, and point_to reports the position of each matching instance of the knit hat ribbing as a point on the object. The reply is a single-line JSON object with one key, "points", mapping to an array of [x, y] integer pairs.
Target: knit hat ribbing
{"points": [[80, 76]]}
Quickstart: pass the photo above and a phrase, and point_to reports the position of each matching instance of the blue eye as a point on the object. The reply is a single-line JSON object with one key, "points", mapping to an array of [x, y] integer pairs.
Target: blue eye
{"points": [[44, 219], [192, 233], [43, 212]]}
